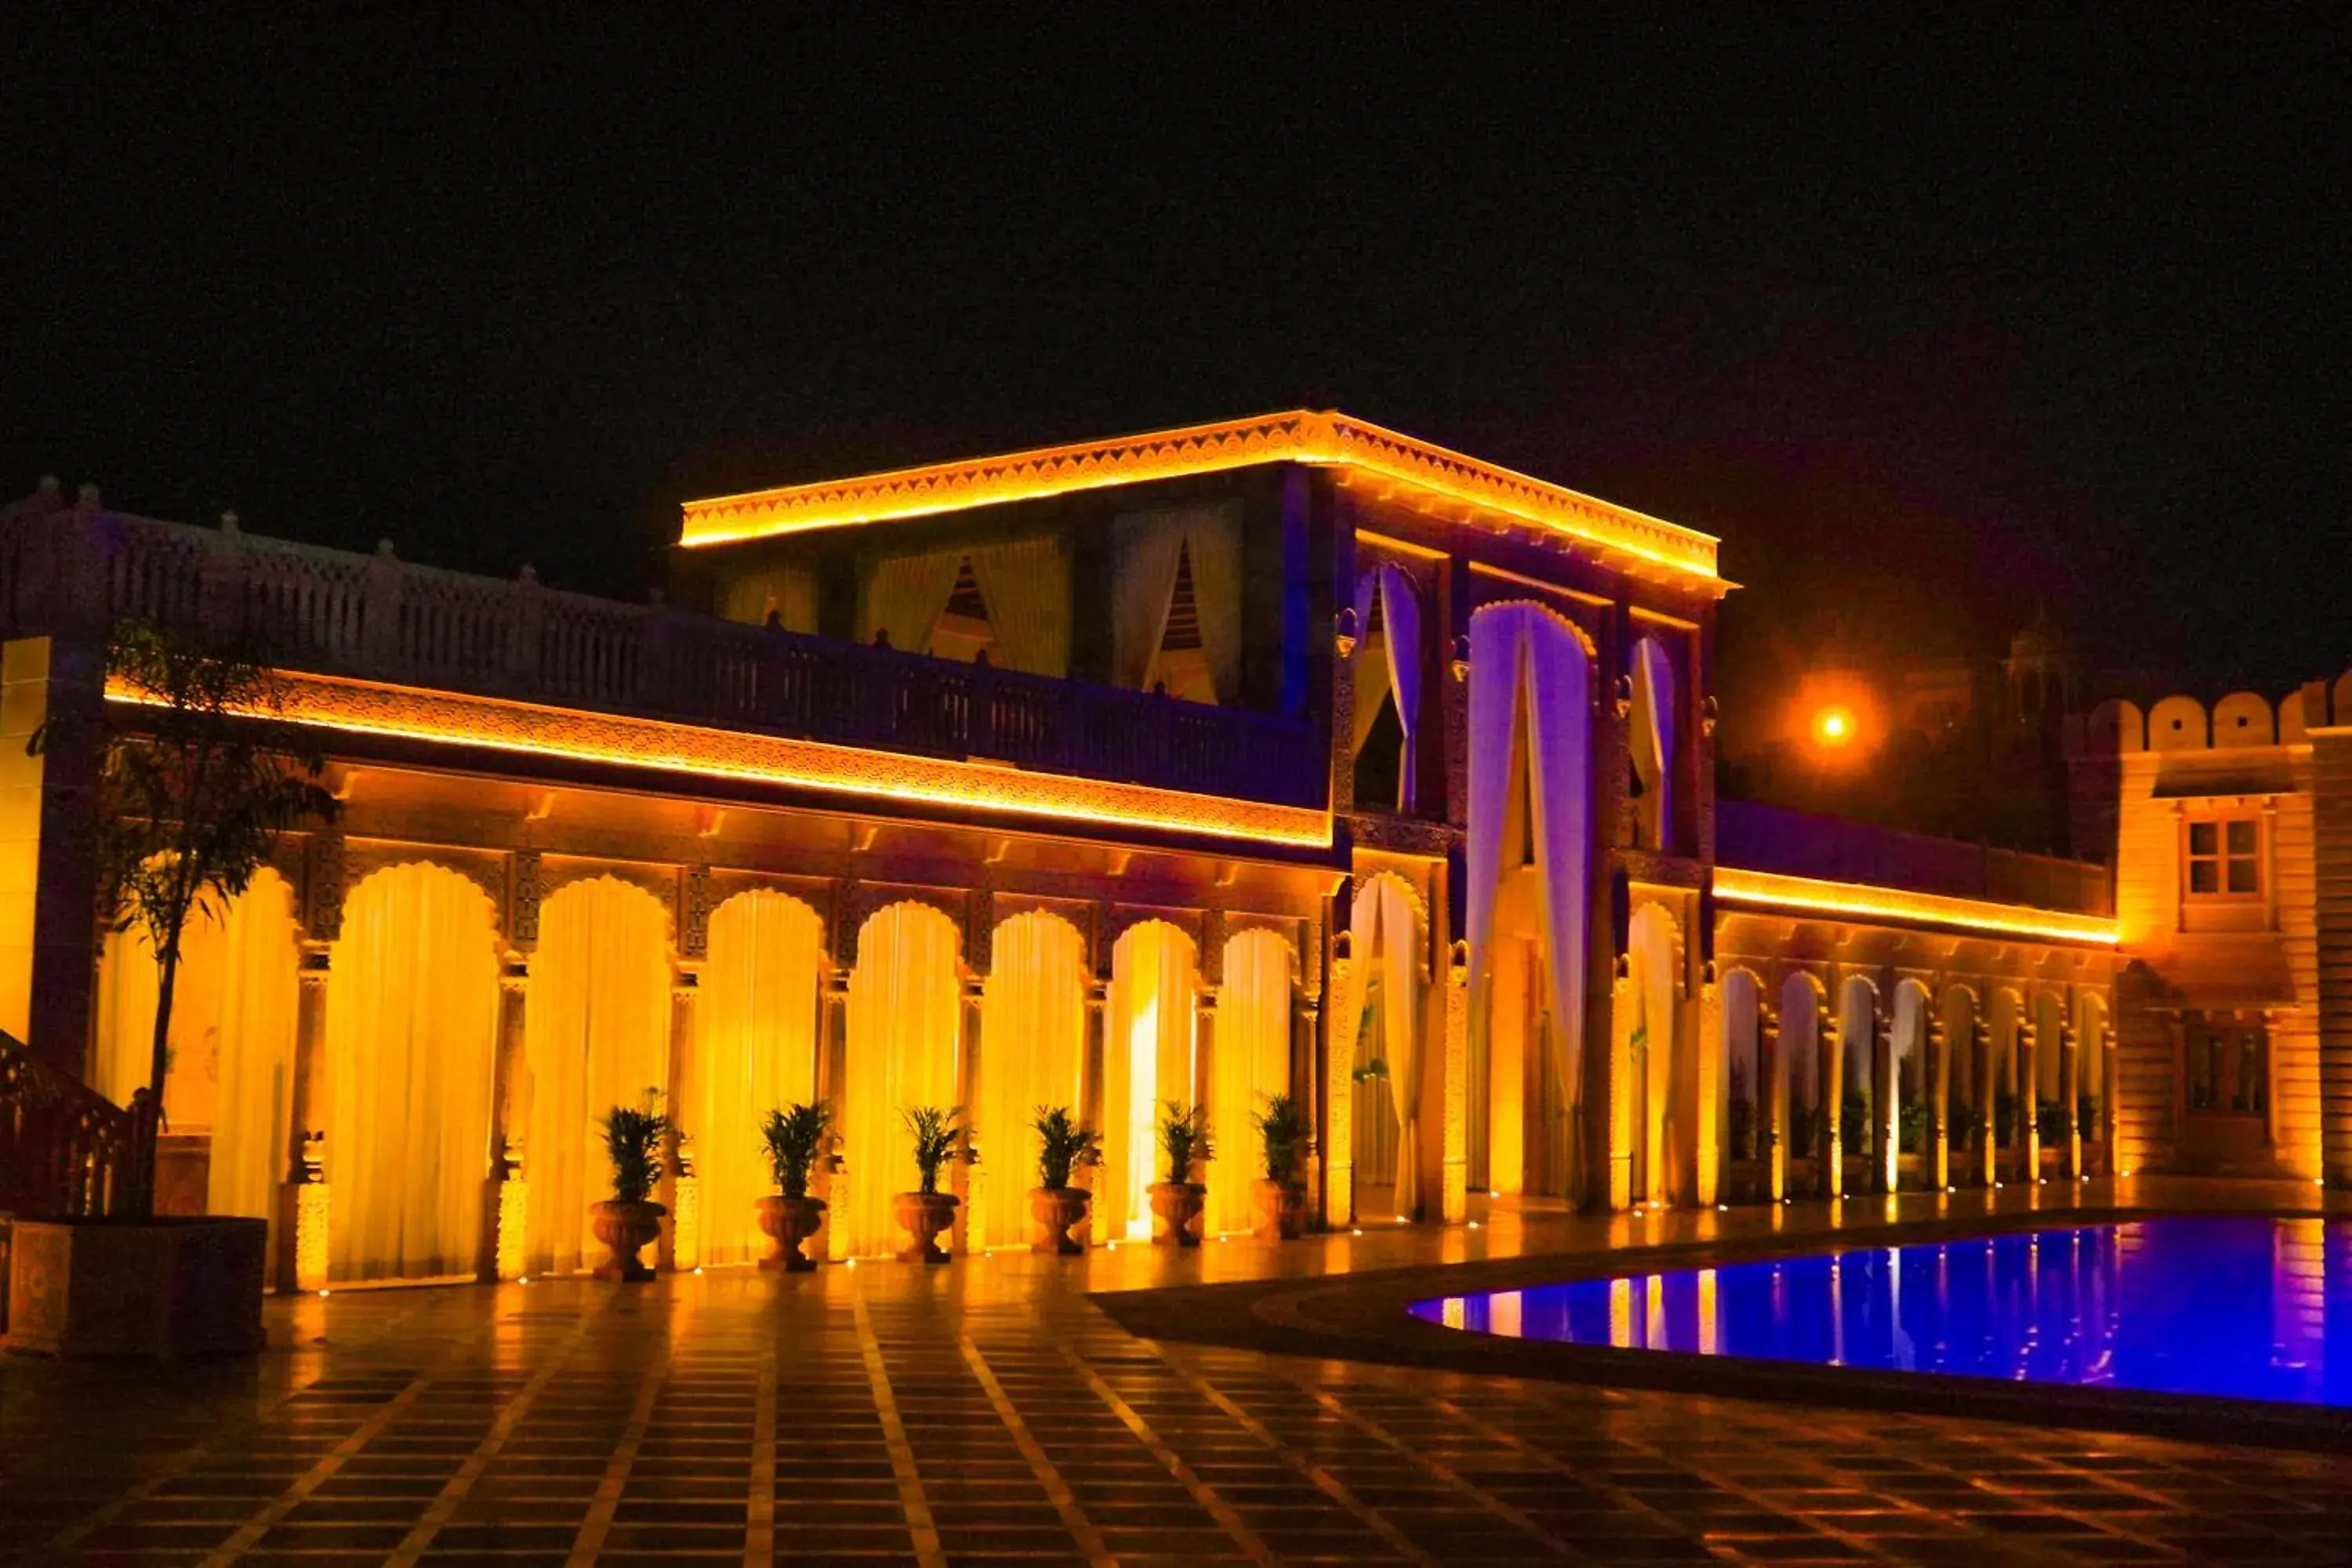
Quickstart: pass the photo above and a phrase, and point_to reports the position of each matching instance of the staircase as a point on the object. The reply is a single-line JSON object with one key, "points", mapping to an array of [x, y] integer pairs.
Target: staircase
{"points": [[66, 1150]]}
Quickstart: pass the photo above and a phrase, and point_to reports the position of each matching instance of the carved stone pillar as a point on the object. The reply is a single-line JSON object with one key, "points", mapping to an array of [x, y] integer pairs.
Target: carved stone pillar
{"points": [[1886, 1133], [1305, 1075], [2070, 1096], [1988, 1090], [1772, 1102], [2029, 1096], [1090, 1098], [972, 1174], [510, 1106], [1340, 1105], [1830, 1142], [303, 1220], [1935, 1078], [682, 1242], [832, 1179], [2106, 1049], [1205, 1063], [1454, 1197], [1622, 1070]]}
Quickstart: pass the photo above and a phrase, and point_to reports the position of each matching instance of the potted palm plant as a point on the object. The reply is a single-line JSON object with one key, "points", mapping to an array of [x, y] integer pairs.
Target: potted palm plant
{"points": [[630, 1219], [1176, 1203], [1064, 1145], [924, 1213], [1283, 1136], [794, 1135]]}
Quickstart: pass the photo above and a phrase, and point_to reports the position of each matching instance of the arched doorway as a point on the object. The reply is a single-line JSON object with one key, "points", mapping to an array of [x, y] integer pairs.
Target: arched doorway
{"points": [[229, 1089], [1033, 1045], [1251, 1060], [1913, 1007], [1377, 1029], [1528, 895], [596, 1036], [1653, 1051], [1740, 1007], [1146, 1064], [412, 1046], [756, 1050], [904, 1051], [1860, 1098], [1799, 1091]]}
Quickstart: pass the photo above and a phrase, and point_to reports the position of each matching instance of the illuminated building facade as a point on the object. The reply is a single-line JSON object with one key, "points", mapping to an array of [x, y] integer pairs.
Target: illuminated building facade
{"points": [[1287, 754], [2231, 830]]}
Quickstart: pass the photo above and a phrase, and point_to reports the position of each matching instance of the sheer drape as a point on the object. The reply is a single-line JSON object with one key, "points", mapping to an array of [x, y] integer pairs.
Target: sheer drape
{"points": [[789, 590], [1032, 1054], [905, 596], [1386, 933], [1652, 737], [1251, 1061], [906, 1033], [756, 1047], [1026, 586], [1531, 689], [596, 1036], [232, 1048], [412, 1040], [1399, 652], [1146, 547], [1147, 1061]]}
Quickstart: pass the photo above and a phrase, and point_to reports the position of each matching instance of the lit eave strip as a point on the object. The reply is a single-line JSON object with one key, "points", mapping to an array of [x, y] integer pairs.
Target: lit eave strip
{"points": [[443, 718], [1325, 439], [1861, 900]]}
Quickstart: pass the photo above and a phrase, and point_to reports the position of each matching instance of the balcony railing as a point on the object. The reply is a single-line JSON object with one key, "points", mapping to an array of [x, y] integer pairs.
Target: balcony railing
{"points": [[75, 568]]}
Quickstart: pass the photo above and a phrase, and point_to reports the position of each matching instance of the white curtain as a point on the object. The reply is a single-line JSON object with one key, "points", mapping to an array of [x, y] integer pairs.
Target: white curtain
{"points": [[789, 590], [1401, 649], [596, 1036], [1386, 935], [232, 1044], [1531, 694], [1147, 1061], [1026, 586], [1033, 1041], [906, 598], [1146, 547], [1653, 734], [412, 1045], [1251, 1060], [906, 1036], [756, 1049], [1662, 1135]]}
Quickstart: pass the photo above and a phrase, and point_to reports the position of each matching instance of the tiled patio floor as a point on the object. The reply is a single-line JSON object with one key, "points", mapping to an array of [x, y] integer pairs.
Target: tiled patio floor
{"points": [[986, 1411]]}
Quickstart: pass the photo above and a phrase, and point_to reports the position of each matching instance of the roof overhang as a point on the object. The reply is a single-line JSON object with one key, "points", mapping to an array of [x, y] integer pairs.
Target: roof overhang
{"points": [[1771, 892], [1433, 476]]}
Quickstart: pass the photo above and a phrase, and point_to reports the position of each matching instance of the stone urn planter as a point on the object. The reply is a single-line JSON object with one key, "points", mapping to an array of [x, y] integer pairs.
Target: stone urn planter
{"points": [[1059, 1211], [624, 1228], [167, 1287], [1177, 1206], [789, 1222], [922, 1216], [1281, 1209]]}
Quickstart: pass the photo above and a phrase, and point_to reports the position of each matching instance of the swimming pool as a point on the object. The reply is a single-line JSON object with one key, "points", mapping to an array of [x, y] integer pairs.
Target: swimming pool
{"points": [[2240, 1306]]}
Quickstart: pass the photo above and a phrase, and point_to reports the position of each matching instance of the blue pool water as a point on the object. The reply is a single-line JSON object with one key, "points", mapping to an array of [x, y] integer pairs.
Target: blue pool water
{"points": [[2244, 1306]]}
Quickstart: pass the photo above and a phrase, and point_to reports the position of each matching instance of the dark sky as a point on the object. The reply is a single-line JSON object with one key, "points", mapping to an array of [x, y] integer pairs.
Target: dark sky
{"points": [[1931, 326]]}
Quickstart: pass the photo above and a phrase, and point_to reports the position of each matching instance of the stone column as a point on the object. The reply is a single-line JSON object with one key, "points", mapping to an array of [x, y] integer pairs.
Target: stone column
{"points": [[2029, 1095], [1622, 1070], [2106, 1049], [1453, 1197], [831, 1180], [970, 1176], [1988, 1090], [2070, 1091], [682, 1240], [1936, 1080], [1091, 1109], [1205, 1063], [303, 1220], [510, 1106], [1887, 1135], [1830, 1152], [1771, 1102], [1339, 1106]]}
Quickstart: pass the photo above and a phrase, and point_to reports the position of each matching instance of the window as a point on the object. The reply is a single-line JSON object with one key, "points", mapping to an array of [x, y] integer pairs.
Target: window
{"points": [[2228, 1065], [2224, 859]]}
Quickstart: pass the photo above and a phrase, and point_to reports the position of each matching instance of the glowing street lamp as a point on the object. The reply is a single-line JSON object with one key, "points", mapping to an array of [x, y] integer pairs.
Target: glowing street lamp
{"points": [[1835, 726]]}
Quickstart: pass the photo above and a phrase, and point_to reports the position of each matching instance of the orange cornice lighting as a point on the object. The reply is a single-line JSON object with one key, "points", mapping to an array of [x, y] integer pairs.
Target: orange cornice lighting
{"points": [[1863, 901], [444, 718], [1301, 436]]}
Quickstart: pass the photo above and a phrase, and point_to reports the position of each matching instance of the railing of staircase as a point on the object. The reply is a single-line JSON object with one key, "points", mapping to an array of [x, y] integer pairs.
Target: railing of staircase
{"points": [[65, 1148]]}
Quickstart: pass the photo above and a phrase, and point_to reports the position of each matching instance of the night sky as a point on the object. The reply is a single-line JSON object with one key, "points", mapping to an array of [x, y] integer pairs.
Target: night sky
{"points": [[1931, 327]]}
